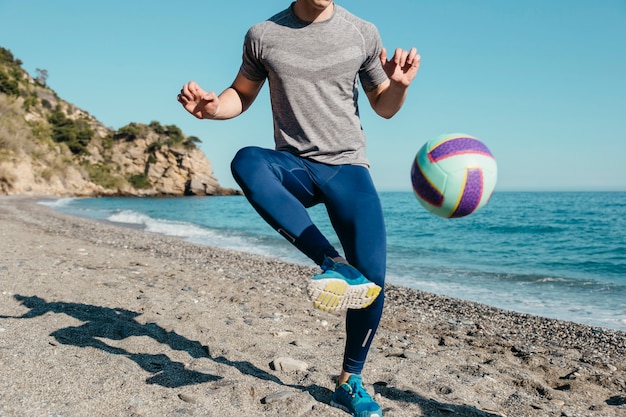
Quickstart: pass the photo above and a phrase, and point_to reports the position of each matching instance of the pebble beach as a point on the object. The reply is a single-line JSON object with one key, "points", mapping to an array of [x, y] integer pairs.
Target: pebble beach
{"points": [[102, 320]]}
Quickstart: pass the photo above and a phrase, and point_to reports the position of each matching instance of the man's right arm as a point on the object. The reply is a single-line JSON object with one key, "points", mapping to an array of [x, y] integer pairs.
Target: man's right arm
{"points": [[230, 103]]}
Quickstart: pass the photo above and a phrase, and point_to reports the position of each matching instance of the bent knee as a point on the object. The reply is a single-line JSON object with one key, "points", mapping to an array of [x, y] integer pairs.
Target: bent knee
{"points": [[244, 158]]}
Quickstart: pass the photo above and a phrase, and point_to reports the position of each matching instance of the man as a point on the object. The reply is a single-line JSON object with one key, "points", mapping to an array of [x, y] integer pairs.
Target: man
{"points": [[313, 55]]}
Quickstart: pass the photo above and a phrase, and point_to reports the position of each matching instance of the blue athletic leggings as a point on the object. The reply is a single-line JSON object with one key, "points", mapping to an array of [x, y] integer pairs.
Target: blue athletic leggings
{"points": [[281, 186]]}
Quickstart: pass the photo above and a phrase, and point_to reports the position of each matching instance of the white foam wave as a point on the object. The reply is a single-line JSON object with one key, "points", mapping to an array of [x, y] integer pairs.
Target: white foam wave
{"points": [[226, 239], [58, 203], [129, 217]]}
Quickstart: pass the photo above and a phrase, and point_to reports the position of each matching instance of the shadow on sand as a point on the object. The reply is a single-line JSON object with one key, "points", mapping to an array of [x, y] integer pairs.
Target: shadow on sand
{"points": [[118, 324]]}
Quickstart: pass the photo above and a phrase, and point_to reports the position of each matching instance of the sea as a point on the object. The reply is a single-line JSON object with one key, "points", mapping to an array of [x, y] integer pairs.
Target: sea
{"points": [[554, 254]]}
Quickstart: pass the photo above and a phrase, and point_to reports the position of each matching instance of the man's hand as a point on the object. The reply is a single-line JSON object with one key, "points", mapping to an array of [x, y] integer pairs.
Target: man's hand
{"points": [[403, 66], [198, 102], [388, 97]]}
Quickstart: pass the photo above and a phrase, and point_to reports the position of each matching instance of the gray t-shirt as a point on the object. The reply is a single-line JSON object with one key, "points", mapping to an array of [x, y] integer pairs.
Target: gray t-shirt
{"points": [[313, 70]]}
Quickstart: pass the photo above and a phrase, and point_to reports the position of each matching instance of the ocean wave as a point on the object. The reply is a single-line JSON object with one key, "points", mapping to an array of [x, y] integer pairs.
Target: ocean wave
{"points": [[172, 228], [222, 238], [58, 203], [130, 217]]}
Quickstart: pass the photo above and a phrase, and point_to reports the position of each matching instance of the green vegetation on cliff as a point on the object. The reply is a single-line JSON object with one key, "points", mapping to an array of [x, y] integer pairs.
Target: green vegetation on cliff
{"points": [[62, 143]]}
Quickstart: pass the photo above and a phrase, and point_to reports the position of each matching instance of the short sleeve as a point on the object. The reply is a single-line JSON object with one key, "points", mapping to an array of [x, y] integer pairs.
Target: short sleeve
{"points": [[372, 73], [251, 66]]}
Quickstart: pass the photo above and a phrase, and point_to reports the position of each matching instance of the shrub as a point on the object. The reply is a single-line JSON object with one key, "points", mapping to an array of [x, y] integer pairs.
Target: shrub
{"points": [[75, 133], [101, 174], [30, 101], [153, 147], [107, 142], [174, 135], [6, 56], [156, 126], [41, 131], [191, 141], [129, 132], [139, 181], [8, 85]]}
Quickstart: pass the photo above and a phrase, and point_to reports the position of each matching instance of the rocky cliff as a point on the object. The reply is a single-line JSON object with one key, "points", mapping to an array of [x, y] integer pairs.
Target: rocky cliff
{"points": [[49, 147]]}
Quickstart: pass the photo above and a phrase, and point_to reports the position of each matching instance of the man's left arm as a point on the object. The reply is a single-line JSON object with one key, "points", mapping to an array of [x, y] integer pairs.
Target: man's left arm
{"points": [[388, 97]]}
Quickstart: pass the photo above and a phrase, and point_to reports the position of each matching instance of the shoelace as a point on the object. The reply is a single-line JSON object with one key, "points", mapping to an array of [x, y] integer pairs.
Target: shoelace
{"points": [[360, 392], [357, 390]]}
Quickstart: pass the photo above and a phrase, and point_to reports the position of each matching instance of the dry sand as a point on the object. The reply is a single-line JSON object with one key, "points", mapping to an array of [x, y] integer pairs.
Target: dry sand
{"points": [[100, 320]]}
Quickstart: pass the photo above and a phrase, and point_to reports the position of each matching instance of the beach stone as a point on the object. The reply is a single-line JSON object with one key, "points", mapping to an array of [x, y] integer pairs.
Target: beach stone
{"points": [[409, 354], [223, 383], [188, 398], [277, 396], [487, 405], [301, 344], [289, 403], [285, 364], [283, 333]]}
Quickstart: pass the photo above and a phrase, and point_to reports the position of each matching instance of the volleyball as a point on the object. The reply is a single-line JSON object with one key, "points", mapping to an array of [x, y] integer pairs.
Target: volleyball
{"points": [[454, 175]]}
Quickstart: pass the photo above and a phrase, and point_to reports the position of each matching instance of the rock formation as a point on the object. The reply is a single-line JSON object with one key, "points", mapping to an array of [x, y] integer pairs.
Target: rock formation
{"points": [[49, 147]]}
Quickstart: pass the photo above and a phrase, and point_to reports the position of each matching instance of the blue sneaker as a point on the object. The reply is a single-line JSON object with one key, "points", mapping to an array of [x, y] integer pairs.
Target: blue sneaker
{"points": [[340, 287], [353, 398]]}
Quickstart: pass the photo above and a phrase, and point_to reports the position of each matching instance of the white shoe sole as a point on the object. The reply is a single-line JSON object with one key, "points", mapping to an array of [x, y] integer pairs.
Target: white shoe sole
{"points": [[332, 294]]}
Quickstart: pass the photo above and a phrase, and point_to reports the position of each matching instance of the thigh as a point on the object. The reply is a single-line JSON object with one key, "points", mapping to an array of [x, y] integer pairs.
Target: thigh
{"points": [[279, 187], [264, 171]]}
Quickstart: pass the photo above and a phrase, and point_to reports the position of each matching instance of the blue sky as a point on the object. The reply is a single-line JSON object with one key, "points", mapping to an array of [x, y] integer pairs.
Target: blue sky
{"points": [[542, 83]]}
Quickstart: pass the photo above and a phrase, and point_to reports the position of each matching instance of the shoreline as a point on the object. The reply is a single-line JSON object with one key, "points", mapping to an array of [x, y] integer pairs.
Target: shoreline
{"points": [[116, 321], [564, 288]]}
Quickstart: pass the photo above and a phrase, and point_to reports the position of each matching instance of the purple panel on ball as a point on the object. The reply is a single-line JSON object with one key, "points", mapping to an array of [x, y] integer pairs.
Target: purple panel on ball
{"points": [[458, 146], [423, 188], [472, 193]]}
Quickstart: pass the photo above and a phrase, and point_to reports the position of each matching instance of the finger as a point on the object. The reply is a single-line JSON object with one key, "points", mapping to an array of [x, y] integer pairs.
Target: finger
{"points": [[416, 61], [399, 57], [200, 94], [383, 56], [185, 92], [181, 97], [412, 56], [402, 56], [193, 88]]}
